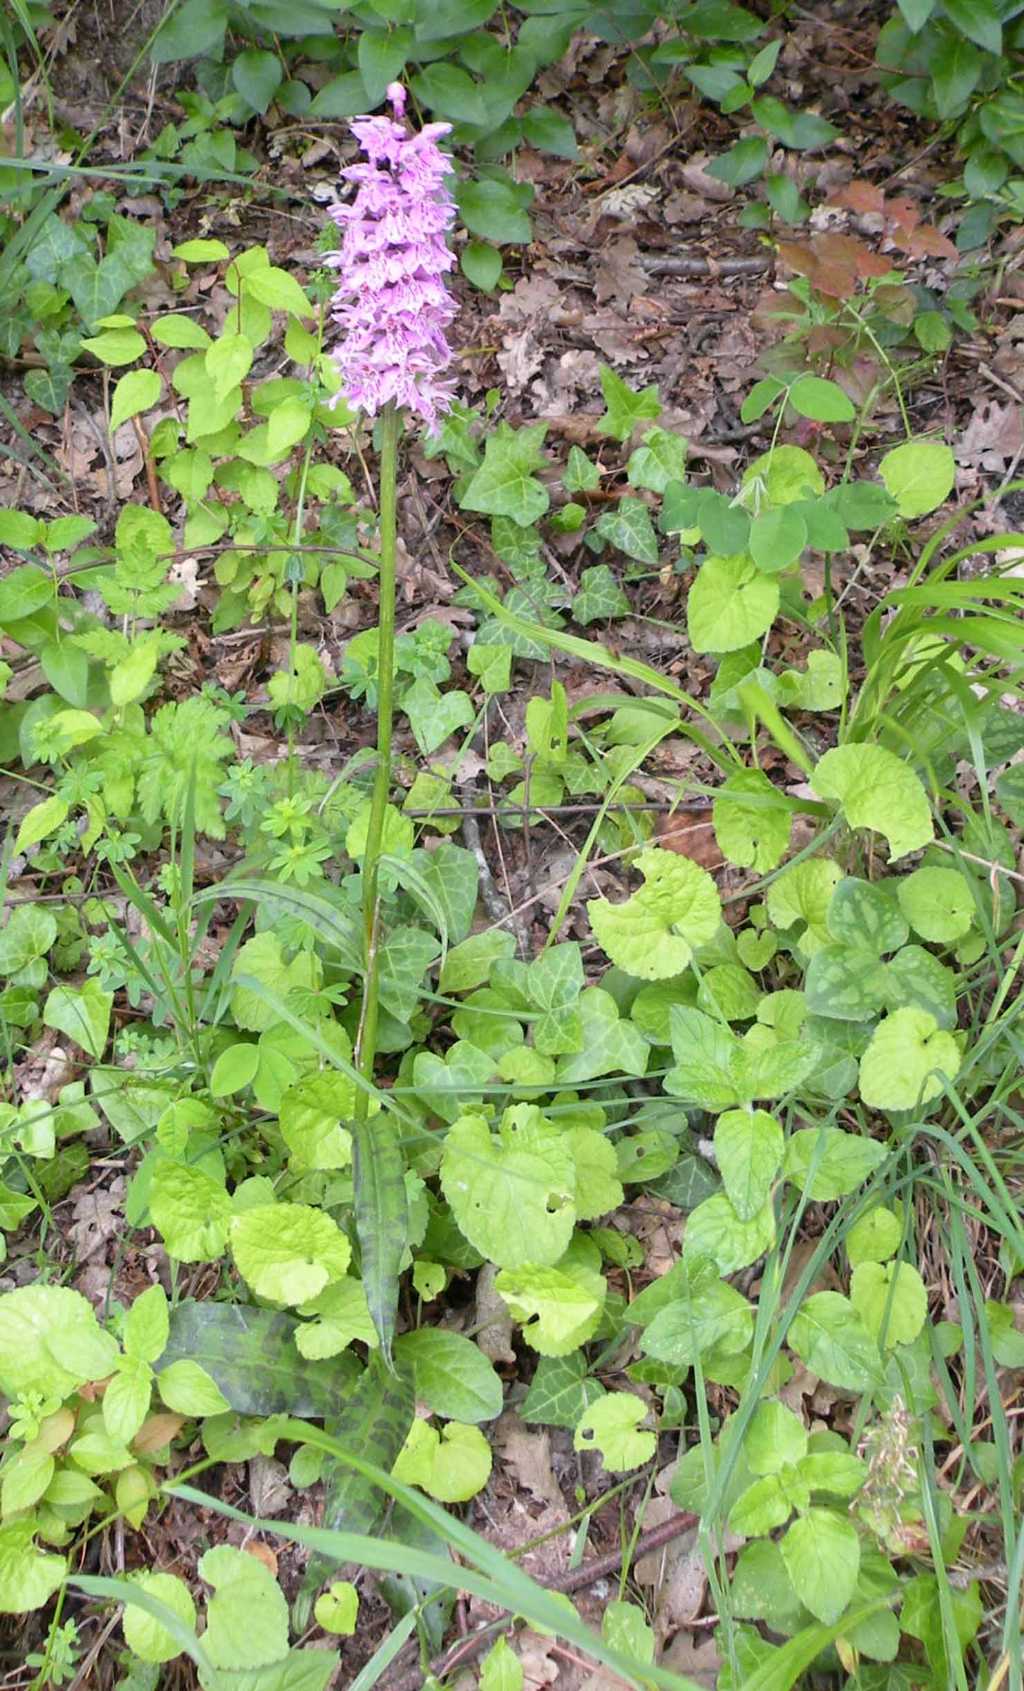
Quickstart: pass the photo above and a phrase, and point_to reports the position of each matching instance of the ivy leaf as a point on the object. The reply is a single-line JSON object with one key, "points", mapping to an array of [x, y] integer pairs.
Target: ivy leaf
{"points": [[876, 789], [660, 458], [629, 529], [560, 1391], [730, 604], [821, 1551], [901, 1067], [612, 1426], [830, 1337], [625, 408], [511, 1194], [288, 1252], [892, 1300], [609, 1045], [654, 933], [581, 476], [505, 485], [434, 716], [752, 821], [600, 598]]}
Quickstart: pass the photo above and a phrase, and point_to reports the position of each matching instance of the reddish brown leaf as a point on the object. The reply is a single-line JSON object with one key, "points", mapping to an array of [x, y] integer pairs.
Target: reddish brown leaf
{"points": [[860, 197]]}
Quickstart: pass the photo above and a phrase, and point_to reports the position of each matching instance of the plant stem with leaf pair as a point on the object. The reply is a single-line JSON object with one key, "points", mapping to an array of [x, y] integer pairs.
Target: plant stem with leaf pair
{"points": [[380, 1201]]}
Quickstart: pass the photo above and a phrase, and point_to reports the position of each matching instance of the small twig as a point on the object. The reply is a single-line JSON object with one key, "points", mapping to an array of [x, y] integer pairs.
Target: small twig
{"points": [[151, 481], [751, 266]]}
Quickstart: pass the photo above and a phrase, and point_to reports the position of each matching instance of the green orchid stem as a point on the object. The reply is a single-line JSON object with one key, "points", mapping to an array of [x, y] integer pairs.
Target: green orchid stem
{"points": [[367, 1052]]}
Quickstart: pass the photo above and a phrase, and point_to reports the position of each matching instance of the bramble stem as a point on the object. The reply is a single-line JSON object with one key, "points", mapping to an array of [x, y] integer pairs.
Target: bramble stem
{"points": [[367, 1051]]}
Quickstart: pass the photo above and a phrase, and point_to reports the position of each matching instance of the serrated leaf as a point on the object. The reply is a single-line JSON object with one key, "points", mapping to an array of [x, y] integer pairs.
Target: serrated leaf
{"points": [[752, 821], [653, 934], [821, 1551], [288, 1252]]}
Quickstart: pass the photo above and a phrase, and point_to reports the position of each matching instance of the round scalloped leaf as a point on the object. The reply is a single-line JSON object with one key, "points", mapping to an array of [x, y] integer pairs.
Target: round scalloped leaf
{"points": [[511, 1194], [787, 473], [653, 935], [901, 1067], [937, 903], [311, 1114], [247, 1617], [803, 894], [451, 1466], [891, 1299], [559, 1308], [730, 604], [288, 1252], [877, 790], [752, 821], [143, 1633], [190, 1210], [612, 1426], [875, 1237], [51, 1342], [919, 475]]}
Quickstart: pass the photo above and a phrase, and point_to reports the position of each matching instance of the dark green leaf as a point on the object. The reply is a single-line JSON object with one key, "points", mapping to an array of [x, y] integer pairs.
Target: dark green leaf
{"points": [[382, 1218], [251, 1355]]}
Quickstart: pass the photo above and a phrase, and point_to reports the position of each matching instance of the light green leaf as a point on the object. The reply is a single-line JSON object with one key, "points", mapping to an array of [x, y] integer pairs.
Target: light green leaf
{"points": [[919, 475], [748, 1149], [227, 363], [777, 538], [187, 1388], [730, 604], [451, 1466], [130, 678], [451, 1375], [715, 1229], [653, 934], [28, 1576], [511, 1194], [138, 391], [774, 1437], [804, 894], [51, 1342], [821, 686], [247, 1617], [37, 824], [825, 1163], [234, 1070], [559, 1308], [821, 400], [938, 903], [82, 1013], [143, 1634], [126, 1399], [180, 332], [901, 1067], [191, 1211], [821, 1551], [612, 1426], [829, 1336], [288, 1252], [877, 790], [626, 409], [874, 1237], [311, 1115], [891, 1299], [696, 1311], [337, 1609], [785, 474], [147, 1324], [278, 289], [501, 1670], [117, 346]]}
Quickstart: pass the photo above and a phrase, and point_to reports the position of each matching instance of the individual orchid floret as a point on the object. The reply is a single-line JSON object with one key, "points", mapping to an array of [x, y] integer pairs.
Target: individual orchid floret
{"points": [[392, 302]]}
